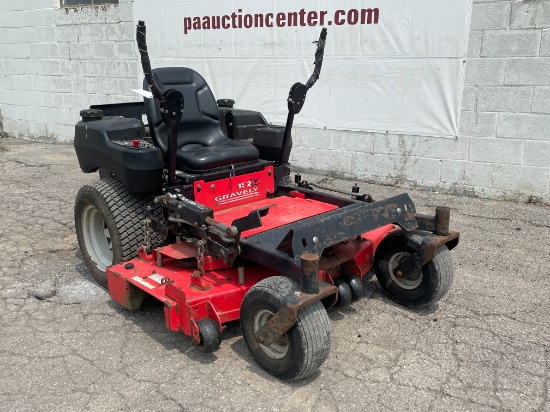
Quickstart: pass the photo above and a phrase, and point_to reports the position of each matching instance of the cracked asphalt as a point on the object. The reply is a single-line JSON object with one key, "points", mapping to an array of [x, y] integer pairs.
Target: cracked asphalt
{"points": [[64, 345]]}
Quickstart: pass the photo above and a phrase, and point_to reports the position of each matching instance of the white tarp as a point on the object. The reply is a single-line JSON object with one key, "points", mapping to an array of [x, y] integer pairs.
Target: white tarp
{"points": [[390, 65]]}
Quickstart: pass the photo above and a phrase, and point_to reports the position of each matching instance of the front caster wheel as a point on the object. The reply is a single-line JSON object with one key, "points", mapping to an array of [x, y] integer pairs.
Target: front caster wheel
{"points": [[211, 336], [345, 293], [423, 288], [302, 349]]}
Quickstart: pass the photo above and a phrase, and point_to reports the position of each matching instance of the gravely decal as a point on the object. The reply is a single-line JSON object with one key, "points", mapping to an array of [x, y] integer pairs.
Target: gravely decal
{"points": [[238, 195]]}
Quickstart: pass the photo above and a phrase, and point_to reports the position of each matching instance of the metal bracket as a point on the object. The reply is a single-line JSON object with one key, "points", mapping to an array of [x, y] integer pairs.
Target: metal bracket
{"points": [[286, 317]]}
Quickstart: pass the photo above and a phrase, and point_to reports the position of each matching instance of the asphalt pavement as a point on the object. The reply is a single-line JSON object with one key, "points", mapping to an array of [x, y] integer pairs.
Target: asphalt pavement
{"points": [[64, 345]]}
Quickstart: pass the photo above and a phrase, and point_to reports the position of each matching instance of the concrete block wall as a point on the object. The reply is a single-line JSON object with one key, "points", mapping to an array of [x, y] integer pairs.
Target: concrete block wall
{"points": [[56, 61], [503, 150]]}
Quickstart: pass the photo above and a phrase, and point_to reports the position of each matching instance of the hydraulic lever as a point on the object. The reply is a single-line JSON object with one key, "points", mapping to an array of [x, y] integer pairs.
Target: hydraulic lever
{"points": [[298, 92]]}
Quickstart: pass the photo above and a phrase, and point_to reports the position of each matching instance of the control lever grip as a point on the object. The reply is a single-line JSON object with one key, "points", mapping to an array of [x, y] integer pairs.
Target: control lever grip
{"points": [[141, 32]]}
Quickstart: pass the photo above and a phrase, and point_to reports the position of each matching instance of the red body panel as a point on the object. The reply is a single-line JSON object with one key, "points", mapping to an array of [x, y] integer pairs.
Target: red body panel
{"points": [[233, 191], [284, 210]]}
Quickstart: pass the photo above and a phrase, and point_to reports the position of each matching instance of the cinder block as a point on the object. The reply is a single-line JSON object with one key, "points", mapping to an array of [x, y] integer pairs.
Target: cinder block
{"points": [[13, 19], [80, 51], [467, 173], [29, 66], [424, 171], [530, 14], [92, 32], [332, 160], [37, 129], [125, 10], [53, 99], [504, 99], [42, 83], [373, 167], [27, 35], [116, 68], [510, 43], [33, 98], [133, 69], [103, 50], [478, 124], [528, 71], [26, 112], [62, 84], [524, 126], [495, 150], [9, 111], [474, 43], [61, 132], [16, 51], [541, 99], [313, 138], [39, 51], [34, 18], [7, 97], [537, 154], [12, 66], [399, 145], [89, 85], [93, 68], [545, 44], [480, 72], [352, 141], [126, 50], [9, 35], [469, 98], [115, 32], [19, 127], [22, 82], [490, 16], [68, 33], [443, 148], [59, 50], [74, 101], [106, 85], [523, 179], [302, 157], [72, 67]]}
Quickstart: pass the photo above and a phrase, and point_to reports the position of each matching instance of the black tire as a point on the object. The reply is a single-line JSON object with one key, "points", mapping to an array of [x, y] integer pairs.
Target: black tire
{"points": [[432, 283], [107, 202], [356, 286], [211, 336], [305, 346], [344, 293]]}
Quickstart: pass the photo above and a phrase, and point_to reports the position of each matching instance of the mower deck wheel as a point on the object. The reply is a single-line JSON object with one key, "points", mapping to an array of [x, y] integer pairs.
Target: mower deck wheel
{"points": [[344, 293], [109, 225], [211, 336], [356, 286], [425, 287], [302, 349]]}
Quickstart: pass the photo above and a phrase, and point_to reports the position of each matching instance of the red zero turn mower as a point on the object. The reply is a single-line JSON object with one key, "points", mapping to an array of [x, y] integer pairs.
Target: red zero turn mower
{"points": [[197, 209]]}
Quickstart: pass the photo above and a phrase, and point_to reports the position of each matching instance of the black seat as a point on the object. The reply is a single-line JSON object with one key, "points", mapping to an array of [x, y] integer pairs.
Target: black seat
{"points": [[201, 143]]}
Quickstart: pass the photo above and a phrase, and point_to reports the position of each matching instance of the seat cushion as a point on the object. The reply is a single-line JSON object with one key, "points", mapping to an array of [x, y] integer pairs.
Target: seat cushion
{"points": [[206, 158]]}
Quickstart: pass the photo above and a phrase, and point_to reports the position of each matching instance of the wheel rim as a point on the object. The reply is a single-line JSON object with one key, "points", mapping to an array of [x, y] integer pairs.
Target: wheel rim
{"points": [[278, 349], [97, 238], [408, 284]]}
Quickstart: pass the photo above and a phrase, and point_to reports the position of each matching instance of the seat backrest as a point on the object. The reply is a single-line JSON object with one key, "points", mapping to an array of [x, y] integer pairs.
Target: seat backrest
{"points": [[199, 124]]}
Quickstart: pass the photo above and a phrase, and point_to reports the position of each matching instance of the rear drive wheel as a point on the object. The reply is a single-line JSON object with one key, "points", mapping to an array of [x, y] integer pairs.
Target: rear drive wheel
{"points": [[109, 225], [302, 349], [425, 287]]}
